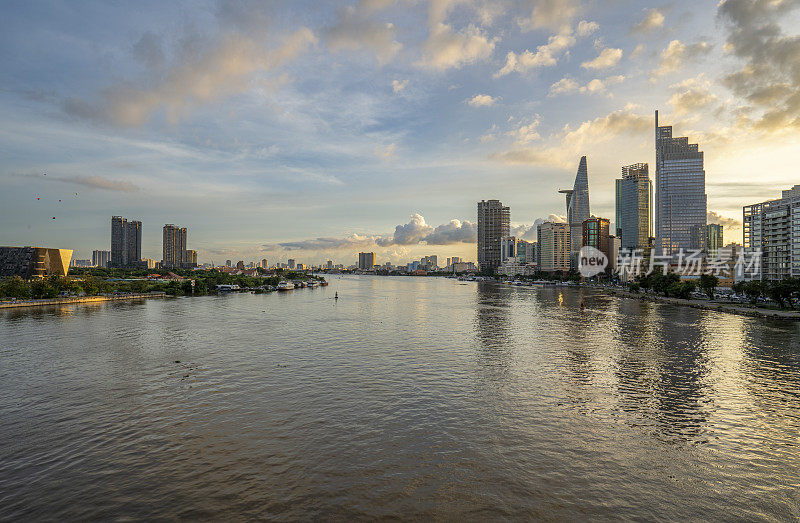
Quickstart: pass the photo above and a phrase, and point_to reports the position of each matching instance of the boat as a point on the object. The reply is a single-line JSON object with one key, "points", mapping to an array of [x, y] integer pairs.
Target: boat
{"points": [[285, 286], [312, 283]]}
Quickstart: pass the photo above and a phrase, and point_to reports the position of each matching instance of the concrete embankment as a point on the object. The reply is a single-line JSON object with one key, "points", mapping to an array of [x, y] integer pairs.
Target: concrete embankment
{"points": [[710, 305], [70, 301]]}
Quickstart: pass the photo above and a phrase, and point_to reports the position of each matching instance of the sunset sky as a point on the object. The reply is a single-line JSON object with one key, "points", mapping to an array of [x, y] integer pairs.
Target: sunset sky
{"points": [[313, 130]]}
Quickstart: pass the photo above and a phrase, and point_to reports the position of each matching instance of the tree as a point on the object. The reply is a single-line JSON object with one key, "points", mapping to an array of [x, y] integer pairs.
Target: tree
{"points": [[15, 287], [782, 291], [753, 290], [708, 284]]}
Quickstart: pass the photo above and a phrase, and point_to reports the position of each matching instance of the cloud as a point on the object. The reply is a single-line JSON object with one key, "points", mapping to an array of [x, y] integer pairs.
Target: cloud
{"points": [[399, 85], [653, 19], [692, 95], [768, 81], [525, 133], [586, 28], [386, 152], [481, 100], [728, 223], [607, 58], [414, 232], [97, 182], [354, 241], [597, 85], [223, 68], [448, 49], [355, 30], [545, 56], [677, 54], [561, 148], [531, 232], [553, 14], [455, 231]]}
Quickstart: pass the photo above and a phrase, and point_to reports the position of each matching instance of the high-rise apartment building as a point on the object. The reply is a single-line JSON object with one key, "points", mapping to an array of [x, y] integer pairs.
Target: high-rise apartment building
{"points": [[494, 222], [264, 264], [577, 208], [174, 246], [681, 202], [126, 242], [101, 258], [292, 263], [774, 228], [191, 258], [555, 247], [366, 260], [634, 203]]}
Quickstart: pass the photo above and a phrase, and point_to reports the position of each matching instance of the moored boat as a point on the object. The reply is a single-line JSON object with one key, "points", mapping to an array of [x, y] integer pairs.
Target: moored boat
{"points": [[285, 286]]}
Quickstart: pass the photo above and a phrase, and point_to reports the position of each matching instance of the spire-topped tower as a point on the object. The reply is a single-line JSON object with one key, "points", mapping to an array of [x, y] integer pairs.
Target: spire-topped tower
{"points": [[578, 206]]}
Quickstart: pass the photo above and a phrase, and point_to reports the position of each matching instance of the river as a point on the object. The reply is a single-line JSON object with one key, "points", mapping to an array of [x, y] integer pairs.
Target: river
{"points": [[407, 397]]}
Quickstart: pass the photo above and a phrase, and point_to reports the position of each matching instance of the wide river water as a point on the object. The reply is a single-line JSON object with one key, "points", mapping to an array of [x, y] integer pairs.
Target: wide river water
{"points": [[407, 397]]}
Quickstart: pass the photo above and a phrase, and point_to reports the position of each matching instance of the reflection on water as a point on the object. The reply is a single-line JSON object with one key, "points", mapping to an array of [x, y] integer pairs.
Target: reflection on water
{"points": [[407, 397]]}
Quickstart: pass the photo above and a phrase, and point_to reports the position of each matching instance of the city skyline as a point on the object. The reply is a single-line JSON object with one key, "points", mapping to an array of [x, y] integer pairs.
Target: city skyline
{"points": [[351, 119]]}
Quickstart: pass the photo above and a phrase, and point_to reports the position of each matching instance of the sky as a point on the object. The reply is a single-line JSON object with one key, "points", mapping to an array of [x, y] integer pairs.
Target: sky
{"points": [[315, 130]]}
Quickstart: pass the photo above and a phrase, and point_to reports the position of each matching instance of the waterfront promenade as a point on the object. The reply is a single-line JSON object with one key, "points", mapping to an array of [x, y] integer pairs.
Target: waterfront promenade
{"points": [[70, 301]]}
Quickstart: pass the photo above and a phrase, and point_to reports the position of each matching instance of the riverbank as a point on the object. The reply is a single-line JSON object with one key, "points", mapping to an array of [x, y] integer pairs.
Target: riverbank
{"points": [[743, 310], [85, 299]]}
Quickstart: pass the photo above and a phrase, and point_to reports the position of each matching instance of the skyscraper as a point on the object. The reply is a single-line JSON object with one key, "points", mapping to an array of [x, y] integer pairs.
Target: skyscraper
{"points": [[494, 222], [554, 247], [126, 242], [634, 217], [595, 234], [101, 258], [680, 190], [174, 246], [366, 260], [578, 207]]}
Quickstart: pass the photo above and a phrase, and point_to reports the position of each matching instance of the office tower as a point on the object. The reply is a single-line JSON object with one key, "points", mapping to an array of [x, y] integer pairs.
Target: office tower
{"points": [[433, 261], [634, 201], [595, 234], [228, 263], [707, 238], [329, 265], [613, 252], [774, 228], [101, 258], [174, 246], [555, 246], [366, 260], [455, 259], [292, 263], [494, 222], [264, 264], [126, 242], [240, 265], [577, 208], [680, 190]]}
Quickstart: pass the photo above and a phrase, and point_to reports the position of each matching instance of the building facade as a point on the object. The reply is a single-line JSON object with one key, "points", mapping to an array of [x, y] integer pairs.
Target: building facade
{"points": [[34, 262], [101, 258], [595, 234], [555, 247], [126, 242], [774, 228], [634, 204], [494, 222], [366, 260], [681, 202], [173, 246], [577, 208]]}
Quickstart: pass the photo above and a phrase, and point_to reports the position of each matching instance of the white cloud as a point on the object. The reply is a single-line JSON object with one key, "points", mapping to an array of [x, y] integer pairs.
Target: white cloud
{"points": [[399, 85], [525, 132], [386, 152], [677, 54], [653, 19], [608, 57], [597, 85], [586, 28], [446, 48], [553, 14], [545, 55], [482, 100]]}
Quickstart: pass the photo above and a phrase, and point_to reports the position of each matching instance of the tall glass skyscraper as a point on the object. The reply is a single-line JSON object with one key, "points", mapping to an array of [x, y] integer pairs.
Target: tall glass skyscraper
{"points": [[681, 202], [634, 216], [494, 222], [578, 206]]}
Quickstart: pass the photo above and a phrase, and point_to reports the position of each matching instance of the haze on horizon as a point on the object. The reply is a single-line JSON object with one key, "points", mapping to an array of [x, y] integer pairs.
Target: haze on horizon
{"points": [[314, 130]]}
